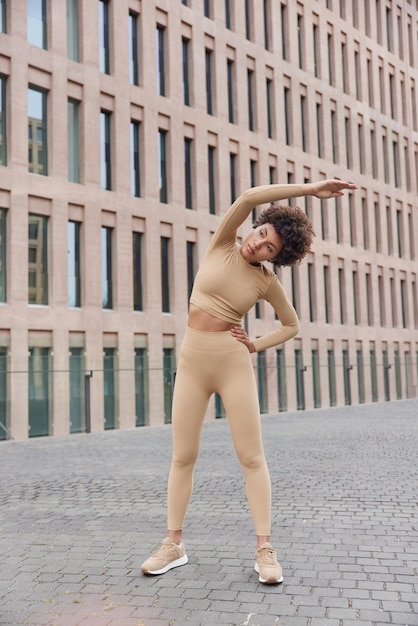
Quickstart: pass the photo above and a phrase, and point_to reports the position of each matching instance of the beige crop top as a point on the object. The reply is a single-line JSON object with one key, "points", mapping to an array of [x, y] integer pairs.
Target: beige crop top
{"points": [[226, 286]]}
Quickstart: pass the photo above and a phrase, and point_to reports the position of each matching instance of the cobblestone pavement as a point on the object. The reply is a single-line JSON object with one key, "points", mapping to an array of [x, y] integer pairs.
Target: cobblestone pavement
{"points": [[79, 514]]}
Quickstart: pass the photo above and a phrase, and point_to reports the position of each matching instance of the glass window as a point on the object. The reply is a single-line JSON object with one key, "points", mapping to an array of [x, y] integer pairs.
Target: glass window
{"points": [[133, 49], [73, 140], [37, 23], [212, 179], [135, 159], [162, 165], [169, 369], [262, 381], [141, 387], [38, 260], [250, 99], [73, 30], [300, 382], [105, 150], [270, 107], [185, 43], [188, 172], [137, 271], [231, 90], [287, 116], [281, 379], [77, 406], [109, 388], [160, 47], [3, 17], [332, 385], [316, 378], [165, 274], [40, 389], [4, 393], [209, 81], [107, 267], [304, 122], [228, 14], [248, 18], [37, 131], [191, 247], [3, 255], [3, 121], [207, 8], [233, 175], [104, 37], [346, 375], [74, 264], [360, 376], [373, 374], [386, 379]]}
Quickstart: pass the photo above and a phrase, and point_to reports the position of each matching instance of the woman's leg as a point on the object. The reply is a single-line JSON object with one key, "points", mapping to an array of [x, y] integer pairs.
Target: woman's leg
{"points": [[240, 398], [190, 401]]}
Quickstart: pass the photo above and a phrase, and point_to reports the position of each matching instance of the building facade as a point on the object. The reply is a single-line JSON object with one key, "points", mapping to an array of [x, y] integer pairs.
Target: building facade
{"points": [[127, 127]]}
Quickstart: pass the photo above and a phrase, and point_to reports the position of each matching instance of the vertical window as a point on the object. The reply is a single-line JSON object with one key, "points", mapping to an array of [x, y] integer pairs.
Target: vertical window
{"points": [[248, 19], [304, 122], [38, 259], [396, 164], [104, 37], [107, 267], [109, 388], [382, 87], [360, 375], [105, 150], [281, 379], [188, 172], [346, 375], [73, 30], [137, 271], [231, 90], [382, 310], [319, 129], [341, 290], [266, 23], [3, 16], [330, 47], [141, 387], [233, 175], [162, 165], [37, 23], [262, 381], [135, 159], [160, 48], [250, 99], [312, 292], [404, 303], [389, 29], [356, 297], [365, 217], [207, 8], [37, 131], [76, 390], [348, 144], [373, 374], [360, 133], [375, 172], [209, 81], [327, 294], [370, 81], [344, 63], [169, 369], [228, 14], [316, 378], [393, 301], [212, 179], [287, 116], [352, 218], [386, 379], [369, 299], [300, 382], [332, 384], [3, 255], [165, 274], [133, 49], [301, 41], [185, 49], [415, 301], [4, 393], [284, 31], [74, 264], [389, 229], [316, 50], [190, 252], [270, 107], [3, 121], [338, 220], [73, 140], [398, 376], [399, 229], [295, 288], [40, 388], [334, 135]]}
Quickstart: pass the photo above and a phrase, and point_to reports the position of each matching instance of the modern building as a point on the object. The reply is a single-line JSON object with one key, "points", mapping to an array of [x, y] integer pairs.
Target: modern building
{"points": [[127, 127]]}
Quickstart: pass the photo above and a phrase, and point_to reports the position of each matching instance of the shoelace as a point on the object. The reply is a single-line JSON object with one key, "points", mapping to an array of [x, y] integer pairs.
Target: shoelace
{"points": [[267, 556]]}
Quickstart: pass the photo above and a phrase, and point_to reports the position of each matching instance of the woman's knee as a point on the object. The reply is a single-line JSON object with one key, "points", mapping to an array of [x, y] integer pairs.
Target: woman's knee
{"points": [[252, 461]]}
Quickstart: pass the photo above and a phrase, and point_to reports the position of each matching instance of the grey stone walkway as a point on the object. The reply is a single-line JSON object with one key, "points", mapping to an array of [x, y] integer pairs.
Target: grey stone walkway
{"points": [[78, 515]]}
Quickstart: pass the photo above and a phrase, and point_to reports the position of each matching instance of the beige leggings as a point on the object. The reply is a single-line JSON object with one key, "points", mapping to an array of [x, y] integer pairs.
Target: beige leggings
{"points": [[216, 362]]}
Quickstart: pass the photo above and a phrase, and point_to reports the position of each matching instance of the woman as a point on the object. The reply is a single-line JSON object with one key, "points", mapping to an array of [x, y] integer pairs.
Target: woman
{"points": [[215, 355]]}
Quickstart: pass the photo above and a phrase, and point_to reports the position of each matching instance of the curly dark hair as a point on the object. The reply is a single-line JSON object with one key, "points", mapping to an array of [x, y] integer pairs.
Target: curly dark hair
{"points": [[295, 230]]}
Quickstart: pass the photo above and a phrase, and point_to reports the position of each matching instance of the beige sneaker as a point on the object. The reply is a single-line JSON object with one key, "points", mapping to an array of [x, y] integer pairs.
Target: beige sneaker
{"points": [[168, 555], [266, 565]]}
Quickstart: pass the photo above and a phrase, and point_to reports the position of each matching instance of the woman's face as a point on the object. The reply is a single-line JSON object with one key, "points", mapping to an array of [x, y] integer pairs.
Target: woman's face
{"points": [[262, 244]]}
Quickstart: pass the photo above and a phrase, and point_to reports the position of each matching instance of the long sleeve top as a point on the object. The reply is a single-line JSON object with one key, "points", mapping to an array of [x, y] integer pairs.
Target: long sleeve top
{"points": [[226, 286]]}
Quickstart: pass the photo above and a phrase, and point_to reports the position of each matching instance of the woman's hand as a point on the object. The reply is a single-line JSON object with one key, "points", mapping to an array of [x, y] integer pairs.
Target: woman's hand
{"points": [[239, 333], [328, 188]]}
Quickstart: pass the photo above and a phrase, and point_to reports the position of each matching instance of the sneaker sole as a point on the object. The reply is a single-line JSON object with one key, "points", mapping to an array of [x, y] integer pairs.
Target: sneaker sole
{"points": [[182, 561], [267, 581]]}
